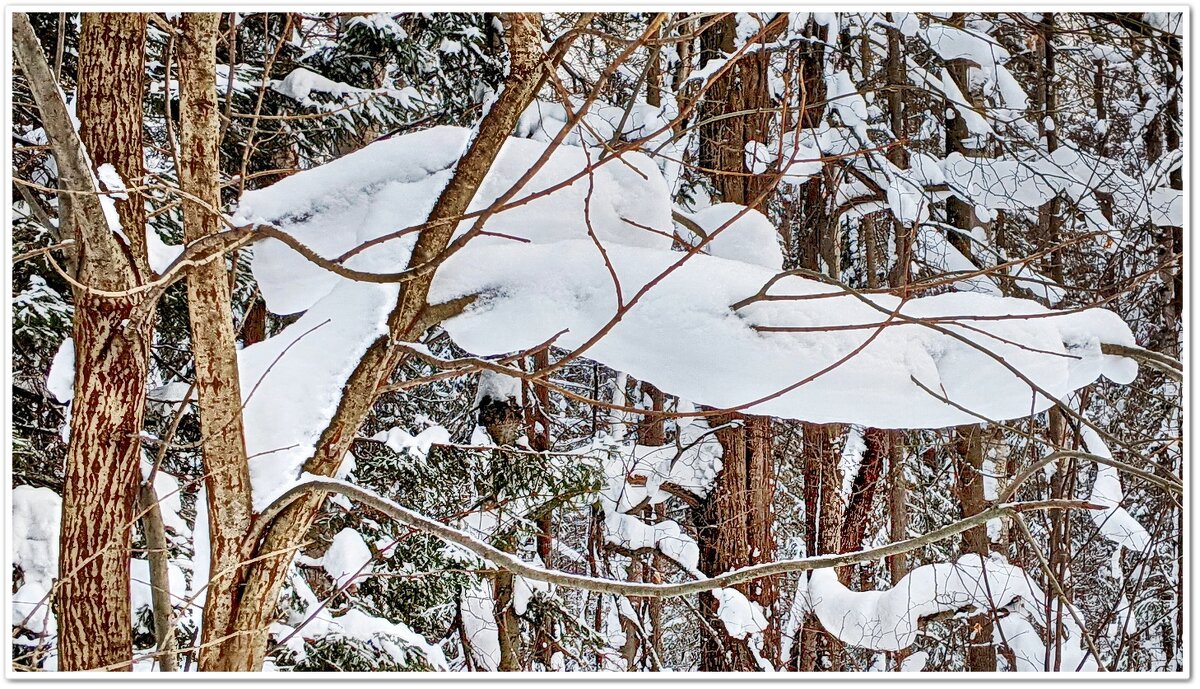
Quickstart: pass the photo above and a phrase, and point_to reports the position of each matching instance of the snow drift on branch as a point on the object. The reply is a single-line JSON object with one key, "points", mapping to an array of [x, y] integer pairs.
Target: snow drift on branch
{"points": [[541, 270], [889, 620]]}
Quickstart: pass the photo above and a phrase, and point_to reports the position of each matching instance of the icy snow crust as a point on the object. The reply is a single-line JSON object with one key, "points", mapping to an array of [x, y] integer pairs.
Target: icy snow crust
{"points": [[681, 335]]}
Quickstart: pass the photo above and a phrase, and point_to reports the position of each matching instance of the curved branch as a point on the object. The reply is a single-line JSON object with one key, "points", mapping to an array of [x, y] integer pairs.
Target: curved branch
{"points": [[514, 564], [1168, 484]]}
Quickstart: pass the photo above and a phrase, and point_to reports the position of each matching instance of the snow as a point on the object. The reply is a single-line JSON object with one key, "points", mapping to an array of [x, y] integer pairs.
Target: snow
{"points": [[315, 620], [1169, 22], [300, 83], [348, 557], [61, 380], [497, 386], [34, 528], [907, 201], [741, 616], [746, 235], [685, 323], [392, 184], [159, 254], [844, 99], [291, 383], [1114, 522], [524, 589], [888, 620], [400, 441], [169, 496], [952, 43], [201, 553], [112, 181], [914, 662], [479, 625], [558, 278], [691, 465]]}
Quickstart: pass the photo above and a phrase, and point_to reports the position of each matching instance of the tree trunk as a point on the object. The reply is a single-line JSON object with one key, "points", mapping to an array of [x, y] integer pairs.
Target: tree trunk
{"points": [[823, 444], [226, 470], [981, 651], [733, 526], [734, 522], [111, 349], [158, 554], [862, 495]]}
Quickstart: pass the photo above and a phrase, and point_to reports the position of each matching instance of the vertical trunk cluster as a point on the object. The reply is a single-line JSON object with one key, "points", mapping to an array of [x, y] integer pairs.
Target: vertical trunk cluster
{"points": [[823, 522], [981, 653], [734, 530], [735, 111], [968, 471]]}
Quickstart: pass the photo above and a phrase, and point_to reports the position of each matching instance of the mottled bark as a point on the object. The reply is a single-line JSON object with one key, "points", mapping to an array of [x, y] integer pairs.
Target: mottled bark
{"points": [[101, 479], [734, 529], [112, 83], [226, 470], [823, 444], [111, 351]]}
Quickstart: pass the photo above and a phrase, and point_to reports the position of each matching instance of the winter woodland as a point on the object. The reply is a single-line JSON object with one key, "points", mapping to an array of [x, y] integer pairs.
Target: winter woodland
{"points": [[688, 341]]}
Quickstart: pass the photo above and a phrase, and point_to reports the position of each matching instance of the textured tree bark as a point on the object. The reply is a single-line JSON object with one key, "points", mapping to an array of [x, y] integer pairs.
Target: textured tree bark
{"points": [[743, 90], [981, 650], [1049, 214], [112, 83], [897, 519], [896, 80], [720, 534], [824, 512], [508, 625], [734, 522], [102, 475], [537, 429], [214, 347], [862, 494], [258, 599], [503, 419], [111, 353]]}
